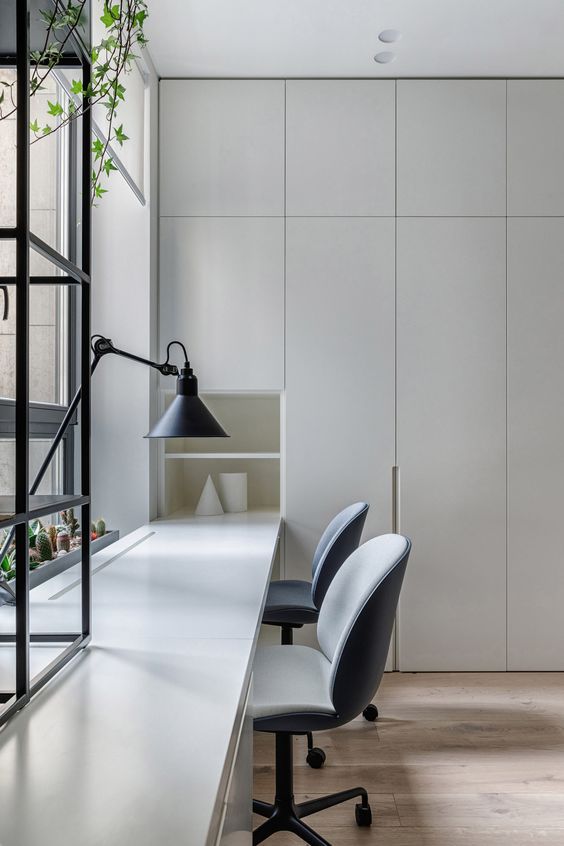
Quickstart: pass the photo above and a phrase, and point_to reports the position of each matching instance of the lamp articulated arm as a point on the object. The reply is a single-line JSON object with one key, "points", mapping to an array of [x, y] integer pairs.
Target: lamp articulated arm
{"points": [[101, 347]]}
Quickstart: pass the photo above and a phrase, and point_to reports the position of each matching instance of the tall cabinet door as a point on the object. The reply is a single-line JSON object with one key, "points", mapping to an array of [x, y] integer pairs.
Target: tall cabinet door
{"points": [[451, 441], [535, 443], [339, 376]]}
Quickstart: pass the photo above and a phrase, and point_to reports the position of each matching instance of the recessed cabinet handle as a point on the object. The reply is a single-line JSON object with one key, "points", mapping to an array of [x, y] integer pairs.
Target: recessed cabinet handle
{"points": [[395, 499], [4, 289]]}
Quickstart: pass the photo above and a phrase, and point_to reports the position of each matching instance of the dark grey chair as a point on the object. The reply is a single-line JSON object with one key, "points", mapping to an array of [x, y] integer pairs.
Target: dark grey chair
{"points": [[297, 689], [292, 603]]}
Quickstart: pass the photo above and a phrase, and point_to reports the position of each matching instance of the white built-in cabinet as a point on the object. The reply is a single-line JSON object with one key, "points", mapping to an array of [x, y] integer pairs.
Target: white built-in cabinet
{"points": [[221, 148], [451, 441], [535, 135], [368, 273], [535, 589], [535, 348], [222, 292], [451, 147], [340, 147], [339, 376]]}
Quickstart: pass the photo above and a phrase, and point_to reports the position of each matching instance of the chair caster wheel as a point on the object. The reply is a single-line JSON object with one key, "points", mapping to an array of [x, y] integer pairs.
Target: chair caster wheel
{"points": [[316, 758], [363, 815], [370, 713]]}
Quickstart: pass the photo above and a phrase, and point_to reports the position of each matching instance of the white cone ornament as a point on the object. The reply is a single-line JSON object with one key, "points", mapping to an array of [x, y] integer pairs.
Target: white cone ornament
{"points": [[209, 504]]}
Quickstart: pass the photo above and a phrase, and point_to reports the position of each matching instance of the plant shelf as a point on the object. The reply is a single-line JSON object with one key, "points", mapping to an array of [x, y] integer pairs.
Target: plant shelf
{"points": [[50, 569]]}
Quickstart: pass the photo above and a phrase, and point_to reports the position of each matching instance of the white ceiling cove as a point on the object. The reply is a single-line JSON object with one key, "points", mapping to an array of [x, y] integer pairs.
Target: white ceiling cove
{"points": [[309, 38]]}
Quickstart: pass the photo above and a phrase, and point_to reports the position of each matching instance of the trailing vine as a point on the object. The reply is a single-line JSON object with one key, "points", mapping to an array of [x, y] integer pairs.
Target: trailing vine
{"points": [[111, 60]]}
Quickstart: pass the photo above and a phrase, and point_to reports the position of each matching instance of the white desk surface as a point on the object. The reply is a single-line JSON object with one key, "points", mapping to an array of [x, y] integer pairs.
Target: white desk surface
{"points": [[134, 740]]}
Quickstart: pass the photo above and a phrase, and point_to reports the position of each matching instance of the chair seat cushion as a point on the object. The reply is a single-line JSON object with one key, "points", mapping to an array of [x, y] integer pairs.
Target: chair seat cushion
{"points": [[289, 601], [291, 680]]}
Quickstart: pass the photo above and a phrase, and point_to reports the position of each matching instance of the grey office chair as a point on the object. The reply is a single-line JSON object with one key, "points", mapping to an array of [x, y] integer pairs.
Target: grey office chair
{"points": [[291, 603], [297, 689]]}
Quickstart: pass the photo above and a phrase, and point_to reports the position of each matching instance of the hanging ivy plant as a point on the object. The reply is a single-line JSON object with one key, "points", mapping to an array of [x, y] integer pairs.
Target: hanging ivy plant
{"points": [[111, 61]]}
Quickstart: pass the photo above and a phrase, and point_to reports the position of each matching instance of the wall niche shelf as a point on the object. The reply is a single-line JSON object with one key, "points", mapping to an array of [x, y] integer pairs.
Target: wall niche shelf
{"points": [[238, 455], [253, 423]]}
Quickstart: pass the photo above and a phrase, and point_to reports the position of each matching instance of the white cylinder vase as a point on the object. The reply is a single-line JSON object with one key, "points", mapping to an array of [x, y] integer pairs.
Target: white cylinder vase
{"points": [[233, 491]]}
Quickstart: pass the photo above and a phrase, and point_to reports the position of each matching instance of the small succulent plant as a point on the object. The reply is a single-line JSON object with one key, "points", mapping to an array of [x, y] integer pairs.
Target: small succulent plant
{"points": [[8, 565], [34, 559], [70, 522], [43, 546], [63, 541], [100, 527]]}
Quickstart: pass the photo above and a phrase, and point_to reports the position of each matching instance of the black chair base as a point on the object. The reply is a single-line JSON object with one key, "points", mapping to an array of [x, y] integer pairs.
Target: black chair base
{"points": [[285, 815]]}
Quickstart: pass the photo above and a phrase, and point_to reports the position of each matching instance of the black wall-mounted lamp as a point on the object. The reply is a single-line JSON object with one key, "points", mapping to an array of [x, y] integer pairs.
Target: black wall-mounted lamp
{"points": [[187, 416]]}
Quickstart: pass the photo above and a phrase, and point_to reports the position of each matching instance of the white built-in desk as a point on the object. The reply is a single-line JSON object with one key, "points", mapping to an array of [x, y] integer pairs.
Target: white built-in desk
{"points": [[144, 738]]}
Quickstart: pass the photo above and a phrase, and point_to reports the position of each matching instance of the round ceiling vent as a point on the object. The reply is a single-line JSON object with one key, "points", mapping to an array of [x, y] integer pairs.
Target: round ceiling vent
{"points": [[384, 58], [390, 36]]}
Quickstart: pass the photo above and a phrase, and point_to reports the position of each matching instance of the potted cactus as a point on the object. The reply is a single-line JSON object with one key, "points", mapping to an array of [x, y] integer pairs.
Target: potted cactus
{"points": [[70, 521], [63, 540], [43, 546], [54, 548]]}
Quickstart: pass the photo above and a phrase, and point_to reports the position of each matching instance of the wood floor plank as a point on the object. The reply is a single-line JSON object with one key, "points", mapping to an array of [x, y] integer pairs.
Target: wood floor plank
{"points": [[404, 836], [425, 741], [462, 696], [456, 759], [481, 809], [504, 776]]}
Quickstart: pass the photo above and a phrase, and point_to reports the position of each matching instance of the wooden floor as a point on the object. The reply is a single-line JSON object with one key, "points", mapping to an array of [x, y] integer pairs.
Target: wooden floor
{"points": [[454, 760]]}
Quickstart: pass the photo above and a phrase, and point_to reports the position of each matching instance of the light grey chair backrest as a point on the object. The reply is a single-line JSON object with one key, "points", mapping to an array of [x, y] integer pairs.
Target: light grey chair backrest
{"points": [[340, 538], [357, 617]]}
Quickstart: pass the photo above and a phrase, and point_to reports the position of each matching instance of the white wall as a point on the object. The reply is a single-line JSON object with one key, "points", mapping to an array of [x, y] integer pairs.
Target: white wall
{"points": [[124, 309]]}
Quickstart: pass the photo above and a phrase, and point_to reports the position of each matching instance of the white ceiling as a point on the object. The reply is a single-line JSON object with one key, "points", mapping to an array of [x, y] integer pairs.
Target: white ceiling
{"points": [[285, 38]]}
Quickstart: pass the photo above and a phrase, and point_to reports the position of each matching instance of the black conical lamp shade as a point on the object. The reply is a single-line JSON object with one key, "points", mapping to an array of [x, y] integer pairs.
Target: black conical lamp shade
{"points": [[187, 416]]}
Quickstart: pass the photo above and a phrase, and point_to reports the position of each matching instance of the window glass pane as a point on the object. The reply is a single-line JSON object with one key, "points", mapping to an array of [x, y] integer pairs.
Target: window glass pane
{"points": [[7, 322], [48, 163], [46, 362], [7, 366], [7, 152], [49, 333]]}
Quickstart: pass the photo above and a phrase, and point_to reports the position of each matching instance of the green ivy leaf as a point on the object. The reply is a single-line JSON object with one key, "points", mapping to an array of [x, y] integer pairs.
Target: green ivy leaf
{"points": [[121, 136], [54, 109], [97, 148], [106, 18], [108, 166], [46, 129], [76, 86], [34, 126], [110, 16]]}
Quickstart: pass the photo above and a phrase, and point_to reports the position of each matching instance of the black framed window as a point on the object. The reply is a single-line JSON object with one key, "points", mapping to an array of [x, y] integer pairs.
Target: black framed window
{"points": [[53, 310], [45, 245]]}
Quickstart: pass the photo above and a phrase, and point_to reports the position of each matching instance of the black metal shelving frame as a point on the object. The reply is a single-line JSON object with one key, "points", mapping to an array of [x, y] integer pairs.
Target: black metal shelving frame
{"points": [[28, 507]]}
